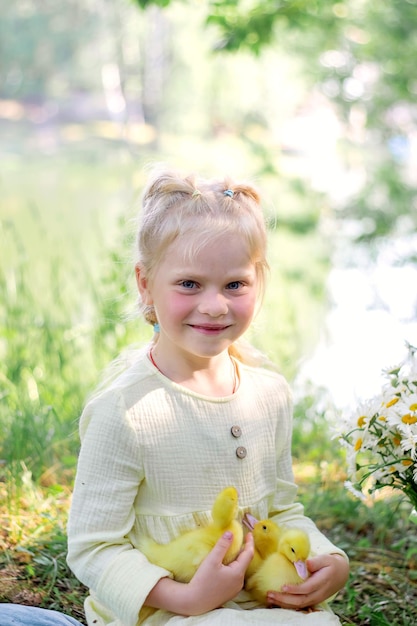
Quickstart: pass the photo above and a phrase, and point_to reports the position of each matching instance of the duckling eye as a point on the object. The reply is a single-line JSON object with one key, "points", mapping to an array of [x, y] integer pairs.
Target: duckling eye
{"points": [[264, 527], [292, 550]]}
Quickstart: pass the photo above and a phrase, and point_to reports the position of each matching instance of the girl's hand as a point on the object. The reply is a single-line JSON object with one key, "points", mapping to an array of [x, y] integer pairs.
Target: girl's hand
{"points": [[329, 574], [212, 585]]}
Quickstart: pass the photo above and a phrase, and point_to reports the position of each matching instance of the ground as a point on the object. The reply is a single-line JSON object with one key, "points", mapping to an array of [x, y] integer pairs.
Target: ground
{"points": [[379, 539]]}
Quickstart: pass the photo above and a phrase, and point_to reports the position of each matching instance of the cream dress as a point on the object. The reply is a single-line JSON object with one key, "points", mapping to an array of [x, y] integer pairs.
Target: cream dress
{"points": [[154, 456]]}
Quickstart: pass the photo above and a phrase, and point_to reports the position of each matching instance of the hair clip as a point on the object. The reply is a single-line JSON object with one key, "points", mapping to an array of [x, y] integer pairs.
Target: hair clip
{"points": [[195, 193], [156, 328], [229, 192]]}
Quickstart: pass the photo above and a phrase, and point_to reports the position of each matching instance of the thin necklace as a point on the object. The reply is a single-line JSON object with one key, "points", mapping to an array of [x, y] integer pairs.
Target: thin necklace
{"points": [[235, 375], [153, 361]]}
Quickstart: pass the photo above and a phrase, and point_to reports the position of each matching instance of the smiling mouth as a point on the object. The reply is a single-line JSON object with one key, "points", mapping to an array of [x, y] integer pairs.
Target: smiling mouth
{"points": [[208, 328]]}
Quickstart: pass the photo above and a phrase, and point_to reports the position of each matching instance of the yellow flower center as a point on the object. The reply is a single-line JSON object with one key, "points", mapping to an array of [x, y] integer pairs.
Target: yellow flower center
{"points": [[409, 419], [396, 440], [358, 444], [392, 402], [413, 407], [407, 462], [382, 418], [361, 421]]}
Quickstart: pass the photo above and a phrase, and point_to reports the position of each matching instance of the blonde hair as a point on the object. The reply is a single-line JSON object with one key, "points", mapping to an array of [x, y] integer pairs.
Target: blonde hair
{"points": [[195, 210]]}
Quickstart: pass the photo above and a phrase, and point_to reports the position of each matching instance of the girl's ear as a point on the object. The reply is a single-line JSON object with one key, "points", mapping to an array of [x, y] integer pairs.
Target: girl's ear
{"points": [[142, 283]]}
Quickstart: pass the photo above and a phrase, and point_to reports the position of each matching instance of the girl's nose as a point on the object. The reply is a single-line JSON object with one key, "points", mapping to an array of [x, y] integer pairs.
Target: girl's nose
{"points": [[213, 304]]}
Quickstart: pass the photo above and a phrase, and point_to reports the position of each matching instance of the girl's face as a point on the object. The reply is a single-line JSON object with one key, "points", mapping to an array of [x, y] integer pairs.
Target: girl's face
{"points": [[204, 304]]}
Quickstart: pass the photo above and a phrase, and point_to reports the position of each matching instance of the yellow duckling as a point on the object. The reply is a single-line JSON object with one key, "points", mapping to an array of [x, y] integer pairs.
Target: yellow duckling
{"points": [[285, 566], [183, 555], [266, 534]]}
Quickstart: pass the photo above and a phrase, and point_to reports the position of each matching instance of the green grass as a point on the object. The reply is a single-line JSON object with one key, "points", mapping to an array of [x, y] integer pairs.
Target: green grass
{"points": [[33, 546], [382, 546]]}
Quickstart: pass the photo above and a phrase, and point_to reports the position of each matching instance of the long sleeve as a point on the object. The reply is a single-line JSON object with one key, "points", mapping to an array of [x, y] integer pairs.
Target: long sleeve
{"points": [[102, 514]]}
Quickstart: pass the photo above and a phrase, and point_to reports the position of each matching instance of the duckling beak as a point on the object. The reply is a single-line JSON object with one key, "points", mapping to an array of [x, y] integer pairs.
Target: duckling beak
{"points": [[249, 521], [301, 568]]}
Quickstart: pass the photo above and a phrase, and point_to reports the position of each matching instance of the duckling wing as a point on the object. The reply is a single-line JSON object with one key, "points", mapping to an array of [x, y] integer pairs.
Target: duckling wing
{"points": [[182, 556]]}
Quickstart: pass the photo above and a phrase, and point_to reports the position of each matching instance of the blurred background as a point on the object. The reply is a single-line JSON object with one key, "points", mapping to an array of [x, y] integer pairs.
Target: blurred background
{"points": [[314, 102]]}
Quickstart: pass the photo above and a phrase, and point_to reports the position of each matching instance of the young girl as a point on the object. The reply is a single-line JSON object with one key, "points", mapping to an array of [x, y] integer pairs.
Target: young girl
{"points": [[194, 413]]}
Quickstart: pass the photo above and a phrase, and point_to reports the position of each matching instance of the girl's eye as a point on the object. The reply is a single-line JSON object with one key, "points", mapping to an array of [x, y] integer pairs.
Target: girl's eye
{"points": [[188, 284], [234, 285]]}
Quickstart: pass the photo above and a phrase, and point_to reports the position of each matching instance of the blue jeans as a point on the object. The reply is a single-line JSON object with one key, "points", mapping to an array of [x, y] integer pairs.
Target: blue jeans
{"points": [[19, 615]]}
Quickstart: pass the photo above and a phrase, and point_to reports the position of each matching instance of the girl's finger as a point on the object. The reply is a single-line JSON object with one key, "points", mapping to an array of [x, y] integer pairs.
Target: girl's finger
{"points": [[219, 551]]}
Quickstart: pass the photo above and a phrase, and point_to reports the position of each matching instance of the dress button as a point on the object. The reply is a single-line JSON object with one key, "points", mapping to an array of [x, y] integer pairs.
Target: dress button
{"points": [[236, 431], [241, 452]]}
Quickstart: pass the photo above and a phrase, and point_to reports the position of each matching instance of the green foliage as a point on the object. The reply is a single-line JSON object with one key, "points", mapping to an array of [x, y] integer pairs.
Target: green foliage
{"points": [[314, 419], [145, 3], [253, 25], [372, 207], [369, 76]]}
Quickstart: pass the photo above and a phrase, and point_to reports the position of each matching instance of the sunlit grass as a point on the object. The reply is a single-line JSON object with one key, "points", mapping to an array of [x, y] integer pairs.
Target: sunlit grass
{"points": [[30, 511], [33, 544]]}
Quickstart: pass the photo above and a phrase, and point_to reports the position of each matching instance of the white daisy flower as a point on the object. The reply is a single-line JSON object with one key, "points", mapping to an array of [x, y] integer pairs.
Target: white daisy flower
{"points": [[409, 441], [358, 494], [380, 436]]}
